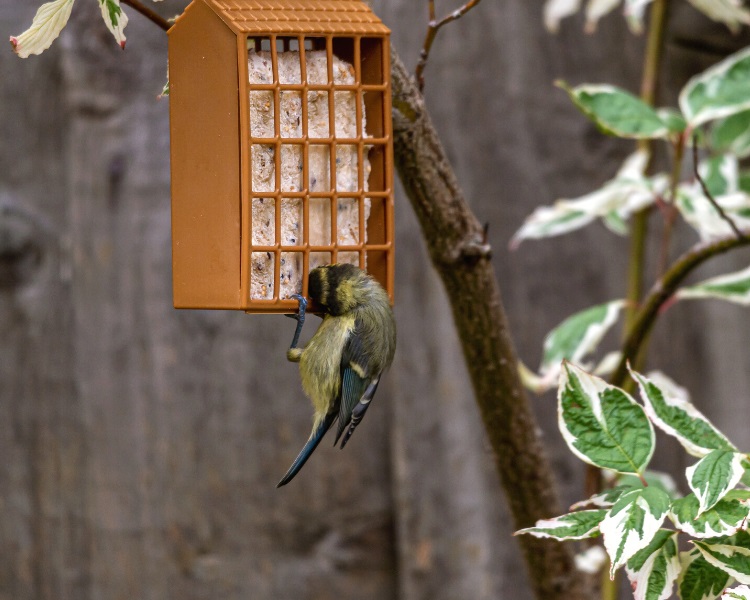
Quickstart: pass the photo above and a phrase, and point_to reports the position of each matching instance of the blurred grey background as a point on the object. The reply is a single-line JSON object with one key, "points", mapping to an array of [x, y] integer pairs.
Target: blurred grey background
{"points": [[140, 446]]}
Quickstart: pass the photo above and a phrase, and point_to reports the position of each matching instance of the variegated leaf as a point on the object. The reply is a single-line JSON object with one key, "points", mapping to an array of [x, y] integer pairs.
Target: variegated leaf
{"points": [[720, 91], [572, 526], [731, 555], [115, 19], [729, 12], [732, 134], [578, 335], [734, 287], [725, 518], [602, 424], [668, 406], [741, 592], [596, 9], [605, 499], [46, 26], [632, 523], [556, 10], [714, 475], [699, 580], [702, 216], [549, 221], [653, 571], [634, 10], [657, 479], [617, 112]]}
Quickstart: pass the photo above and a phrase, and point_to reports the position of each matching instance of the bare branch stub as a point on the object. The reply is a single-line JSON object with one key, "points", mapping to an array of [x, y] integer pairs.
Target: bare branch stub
{"points": [[709, 195], [432, 29]]}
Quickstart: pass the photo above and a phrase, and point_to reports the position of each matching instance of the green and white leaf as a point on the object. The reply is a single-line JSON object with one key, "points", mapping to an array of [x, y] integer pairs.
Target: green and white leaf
{"points": [[673, 119], [670, 409], [46, 26], [617, 112], [699, 580], [734, 287], [556, 10], [720, 91], [595, 10], [663, 481], [632, 523], [607, 498], [729, 12], [731, 555], [725, 518], [628, 192], [714, 475], [602, 424], [653, 571], [702, 216], [115, 19], [732, 134], [634, 11], [741, 592], [578, 335], [572, 526]]}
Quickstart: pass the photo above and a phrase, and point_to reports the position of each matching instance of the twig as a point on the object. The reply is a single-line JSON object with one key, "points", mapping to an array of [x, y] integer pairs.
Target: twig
{"points": [[664, 290], [709, 195], [670, 206], [148, 13], [432, 29]]}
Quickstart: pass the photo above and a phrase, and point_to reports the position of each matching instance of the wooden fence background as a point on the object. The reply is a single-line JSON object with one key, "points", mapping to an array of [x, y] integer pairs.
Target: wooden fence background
{"points": [[140, 446]]}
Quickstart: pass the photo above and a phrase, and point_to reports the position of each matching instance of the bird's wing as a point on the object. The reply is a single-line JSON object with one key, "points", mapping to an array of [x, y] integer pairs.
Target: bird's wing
{"points": [[356, 383]]}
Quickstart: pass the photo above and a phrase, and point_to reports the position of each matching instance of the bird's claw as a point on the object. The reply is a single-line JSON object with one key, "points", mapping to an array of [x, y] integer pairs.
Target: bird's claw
{"points": [[300, 315]]}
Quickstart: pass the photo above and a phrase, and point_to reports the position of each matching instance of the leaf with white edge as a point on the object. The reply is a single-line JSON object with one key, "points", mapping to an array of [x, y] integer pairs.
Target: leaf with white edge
{"points": [[115, 19], [572, 526], [720, 174], [725, 518], [578, 335], [549, 221], [746, 476], [699, 580], [653, 571], [714, 475], [702, 216], [46, 26], [668, 406], [657, 479], [628, 192], [605, 499], [741, 592], [731, 555], [602, 424], [729, 12], [720, 91], [617, 112], [556, 10], [595, 10], [632, 523], [590, 561], [732, 134], [634, 11], [734, 287]]}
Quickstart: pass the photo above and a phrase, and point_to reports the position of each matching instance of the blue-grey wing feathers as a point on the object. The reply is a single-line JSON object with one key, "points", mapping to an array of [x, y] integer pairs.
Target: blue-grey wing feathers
{"points": [[308, 448]]}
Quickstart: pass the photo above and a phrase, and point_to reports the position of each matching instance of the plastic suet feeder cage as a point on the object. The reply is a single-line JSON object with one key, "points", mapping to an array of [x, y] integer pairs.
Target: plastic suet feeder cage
{"points": [[281, 149]]}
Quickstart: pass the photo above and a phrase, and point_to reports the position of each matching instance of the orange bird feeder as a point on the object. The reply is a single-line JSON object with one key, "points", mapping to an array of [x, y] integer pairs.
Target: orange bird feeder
{"points": [[281, 149]]}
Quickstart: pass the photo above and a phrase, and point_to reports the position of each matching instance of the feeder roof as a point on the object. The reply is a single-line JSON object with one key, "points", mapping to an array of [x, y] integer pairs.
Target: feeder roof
{"points": [[298, 16]]}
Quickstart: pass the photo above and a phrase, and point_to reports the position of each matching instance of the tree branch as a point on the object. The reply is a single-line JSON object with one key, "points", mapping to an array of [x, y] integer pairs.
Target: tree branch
{"points": [[453, 234], [432, 29], [663, 291], [148, 13]]}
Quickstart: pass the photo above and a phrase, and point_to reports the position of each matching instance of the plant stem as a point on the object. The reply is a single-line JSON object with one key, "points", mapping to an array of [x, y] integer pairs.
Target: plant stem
{"points": [[148, 13], [670, 209], [663, 291]]}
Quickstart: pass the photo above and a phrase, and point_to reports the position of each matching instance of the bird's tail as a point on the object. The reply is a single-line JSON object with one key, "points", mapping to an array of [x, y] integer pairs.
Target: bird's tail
{"points": [[308, 448]]}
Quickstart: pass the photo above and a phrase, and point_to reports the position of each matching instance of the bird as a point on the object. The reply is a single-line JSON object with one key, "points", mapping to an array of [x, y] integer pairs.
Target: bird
{"points": [[341, 366]]}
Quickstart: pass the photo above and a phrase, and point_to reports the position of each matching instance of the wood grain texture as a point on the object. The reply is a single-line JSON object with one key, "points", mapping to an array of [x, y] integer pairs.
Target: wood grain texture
{"points": [[141, 445]]}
